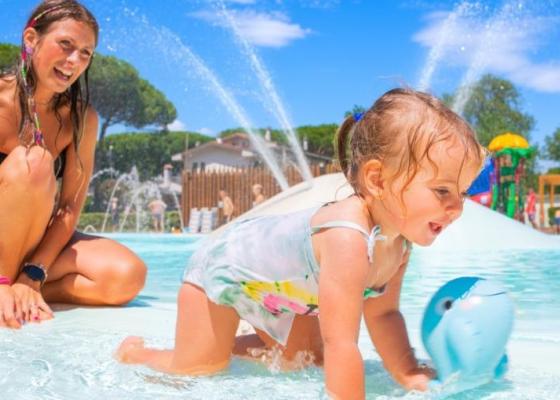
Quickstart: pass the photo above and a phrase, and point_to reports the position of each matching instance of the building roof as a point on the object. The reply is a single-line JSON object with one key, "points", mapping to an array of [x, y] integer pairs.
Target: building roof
{"points": [[224, 146], [222, 143]]}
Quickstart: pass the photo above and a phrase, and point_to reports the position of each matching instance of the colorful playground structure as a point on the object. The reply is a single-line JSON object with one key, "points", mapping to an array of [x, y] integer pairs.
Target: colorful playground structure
{"points": [[498, 185]]}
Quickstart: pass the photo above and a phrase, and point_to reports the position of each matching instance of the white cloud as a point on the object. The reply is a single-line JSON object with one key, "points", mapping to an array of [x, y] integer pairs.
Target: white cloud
{"points": [[260, 29], [177, 126], [206, 131], [506, 45]]}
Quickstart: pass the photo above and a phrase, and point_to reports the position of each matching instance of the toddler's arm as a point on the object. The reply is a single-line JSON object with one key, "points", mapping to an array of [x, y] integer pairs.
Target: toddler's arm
{"points": [[387, 330], [342, 281]]}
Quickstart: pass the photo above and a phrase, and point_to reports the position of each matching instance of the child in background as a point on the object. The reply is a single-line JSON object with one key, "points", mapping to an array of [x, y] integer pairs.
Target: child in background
{"points": [[531, 207], [410, 162], [227, 206], [258, 195]]}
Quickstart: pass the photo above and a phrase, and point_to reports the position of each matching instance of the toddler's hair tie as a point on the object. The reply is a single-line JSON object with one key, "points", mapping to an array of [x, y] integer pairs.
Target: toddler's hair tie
{"points": [[358, 116]]}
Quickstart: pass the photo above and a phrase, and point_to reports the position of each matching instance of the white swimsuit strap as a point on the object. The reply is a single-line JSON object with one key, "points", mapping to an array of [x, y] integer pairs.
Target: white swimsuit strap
{"points": [[370, 238]]}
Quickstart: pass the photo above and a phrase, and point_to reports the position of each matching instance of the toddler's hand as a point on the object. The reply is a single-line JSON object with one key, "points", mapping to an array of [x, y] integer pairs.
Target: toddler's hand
{"points": [[419, 378], [128, 349]]}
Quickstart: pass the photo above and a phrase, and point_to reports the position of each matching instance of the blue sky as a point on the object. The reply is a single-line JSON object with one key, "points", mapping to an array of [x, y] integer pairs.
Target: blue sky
{"points": [[322, 57]]}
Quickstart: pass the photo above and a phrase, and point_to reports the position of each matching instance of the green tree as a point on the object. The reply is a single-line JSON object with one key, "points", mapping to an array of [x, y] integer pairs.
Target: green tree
{"points": [[121, 96], [552, 144], [320, 138], [357, 109], [156, 109], [493, 108], [9, 55], [147, 151], [276, 135]]}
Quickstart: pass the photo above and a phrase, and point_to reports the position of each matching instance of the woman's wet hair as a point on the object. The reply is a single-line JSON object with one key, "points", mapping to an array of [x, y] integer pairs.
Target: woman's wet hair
{"points": [[76, 97], [399, 130]]}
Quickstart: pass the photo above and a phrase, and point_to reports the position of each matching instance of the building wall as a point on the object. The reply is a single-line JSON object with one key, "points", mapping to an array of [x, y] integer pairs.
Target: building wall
{"points": [[218, 156]]}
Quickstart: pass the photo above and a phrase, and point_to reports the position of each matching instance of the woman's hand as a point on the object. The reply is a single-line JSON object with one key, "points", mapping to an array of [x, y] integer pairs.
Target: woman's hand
{"points": [[33, 306], [418, 379], [10, 310]]}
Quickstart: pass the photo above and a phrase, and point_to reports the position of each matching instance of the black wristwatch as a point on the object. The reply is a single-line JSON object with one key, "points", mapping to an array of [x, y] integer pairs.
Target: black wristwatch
{"points": [[35, 272]]}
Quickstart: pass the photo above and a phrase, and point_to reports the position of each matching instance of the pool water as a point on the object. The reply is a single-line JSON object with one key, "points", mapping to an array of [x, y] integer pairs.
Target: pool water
{"points": [[71, 357]]}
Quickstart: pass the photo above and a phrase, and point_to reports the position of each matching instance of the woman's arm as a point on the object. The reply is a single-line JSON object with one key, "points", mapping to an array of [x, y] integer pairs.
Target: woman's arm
{"points": [[74, 189], [388, 333], [344, 270]]}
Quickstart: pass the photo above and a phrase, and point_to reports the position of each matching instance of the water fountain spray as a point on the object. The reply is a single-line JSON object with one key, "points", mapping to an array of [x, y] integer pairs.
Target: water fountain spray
{"points": [[269, 91]]}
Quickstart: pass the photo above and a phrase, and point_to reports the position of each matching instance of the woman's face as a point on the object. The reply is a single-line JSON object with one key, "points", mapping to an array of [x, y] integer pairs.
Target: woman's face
{"points": [[62, 54]]}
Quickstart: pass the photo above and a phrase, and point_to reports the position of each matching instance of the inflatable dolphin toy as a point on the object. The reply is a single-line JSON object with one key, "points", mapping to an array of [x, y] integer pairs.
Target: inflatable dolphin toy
{"points": [[465, 329]]}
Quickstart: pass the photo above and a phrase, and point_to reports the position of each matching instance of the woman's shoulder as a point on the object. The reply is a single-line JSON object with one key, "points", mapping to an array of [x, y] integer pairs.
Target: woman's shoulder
{"points": [[91, 115], [7, 89]]}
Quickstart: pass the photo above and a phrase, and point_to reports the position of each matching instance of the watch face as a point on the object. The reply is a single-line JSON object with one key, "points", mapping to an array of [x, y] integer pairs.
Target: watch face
{"points": [[34, 273]]}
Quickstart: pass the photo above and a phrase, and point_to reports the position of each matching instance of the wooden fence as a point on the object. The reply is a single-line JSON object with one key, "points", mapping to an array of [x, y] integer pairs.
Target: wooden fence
{"points": [[200, 189]]}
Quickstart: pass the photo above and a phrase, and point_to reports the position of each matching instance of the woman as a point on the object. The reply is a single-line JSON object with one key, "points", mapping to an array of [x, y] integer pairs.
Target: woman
{"points": [[47, 133]]}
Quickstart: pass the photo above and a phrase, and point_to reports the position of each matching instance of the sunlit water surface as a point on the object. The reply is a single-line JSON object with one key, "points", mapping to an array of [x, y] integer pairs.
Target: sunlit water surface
{"points": [[71, 357]]}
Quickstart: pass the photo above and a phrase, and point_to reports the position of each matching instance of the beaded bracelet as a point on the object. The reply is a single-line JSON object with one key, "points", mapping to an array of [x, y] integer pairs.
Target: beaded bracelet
{"points": [[4, 280]]}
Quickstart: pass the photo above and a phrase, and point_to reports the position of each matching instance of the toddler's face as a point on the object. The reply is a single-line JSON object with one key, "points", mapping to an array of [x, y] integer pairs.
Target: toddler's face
{"points": [[434, 198]]}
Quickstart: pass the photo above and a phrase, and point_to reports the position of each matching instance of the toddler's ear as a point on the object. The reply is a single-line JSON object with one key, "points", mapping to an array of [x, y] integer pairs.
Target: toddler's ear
{"points": [[371, 178]]}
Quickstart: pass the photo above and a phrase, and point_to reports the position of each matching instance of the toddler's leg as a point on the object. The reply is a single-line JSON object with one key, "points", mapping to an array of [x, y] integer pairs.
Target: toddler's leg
{"points": [[204, 338], [304, 347]]}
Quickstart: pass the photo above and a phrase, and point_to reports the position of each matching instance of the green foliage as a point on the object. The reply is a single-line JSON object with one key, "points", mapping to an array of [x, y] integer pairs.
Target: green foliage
{"points": [[9, 55], [494, 108], [156, 110], [93, 221], [551, 212], [320, 138], [276, 135], [355, 110], [147, 151], [121, 96], [552, 144]]}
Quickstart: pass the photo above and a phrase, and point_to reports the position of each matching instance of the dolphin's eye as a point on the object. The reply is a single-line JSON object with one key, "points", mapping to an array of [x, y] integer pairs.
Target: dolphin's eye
{"points": [[444, 305]]}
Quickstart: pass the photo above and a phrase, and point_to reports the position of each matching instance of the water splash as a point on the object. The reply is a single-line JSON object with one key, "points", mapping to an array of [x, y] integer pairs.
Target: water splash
{"points": [[270, 93], [273, 359], [493, 32], [438, 51], [172, 47], [111, 171]]}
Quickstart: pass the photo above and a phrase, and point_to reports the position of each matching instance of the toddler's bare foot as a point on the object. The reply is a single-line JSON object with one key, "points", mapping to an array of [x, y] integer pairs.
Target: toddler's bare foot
{"points": [[128, 350]]}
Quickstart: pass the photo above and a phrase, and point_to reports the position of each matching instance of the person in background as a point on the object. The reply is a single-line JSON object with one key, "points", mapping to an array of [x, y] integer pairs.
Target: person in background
{"points": [[227, 206], [258, 194], [531, 207], [157, 209], [114, 211], [48, 132], [557, 220]]}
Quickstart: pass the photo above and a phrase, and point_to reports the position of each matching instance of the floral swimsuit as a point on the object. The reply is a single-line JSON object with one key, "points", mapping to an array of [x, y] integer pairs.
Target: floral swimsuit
{"points": [[265, 268]]}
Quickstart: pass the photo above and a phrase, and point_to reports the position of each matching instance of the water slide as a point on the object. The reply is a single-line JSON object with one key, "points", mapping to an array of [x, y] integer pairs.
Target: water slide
{"points": [[479, 228]]}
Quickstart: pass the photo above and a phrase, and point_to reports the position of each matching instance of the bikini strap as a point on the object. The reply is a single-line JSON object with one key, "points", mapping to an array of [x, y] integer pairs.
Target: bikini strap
{"points": [[370, 238]]}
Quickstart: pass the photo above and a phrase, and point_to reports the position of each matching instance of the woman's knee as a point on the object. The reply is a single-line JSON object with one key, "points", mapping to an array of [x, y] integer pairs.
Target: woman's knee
{"points": [[122, 282], [31, 167]]}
